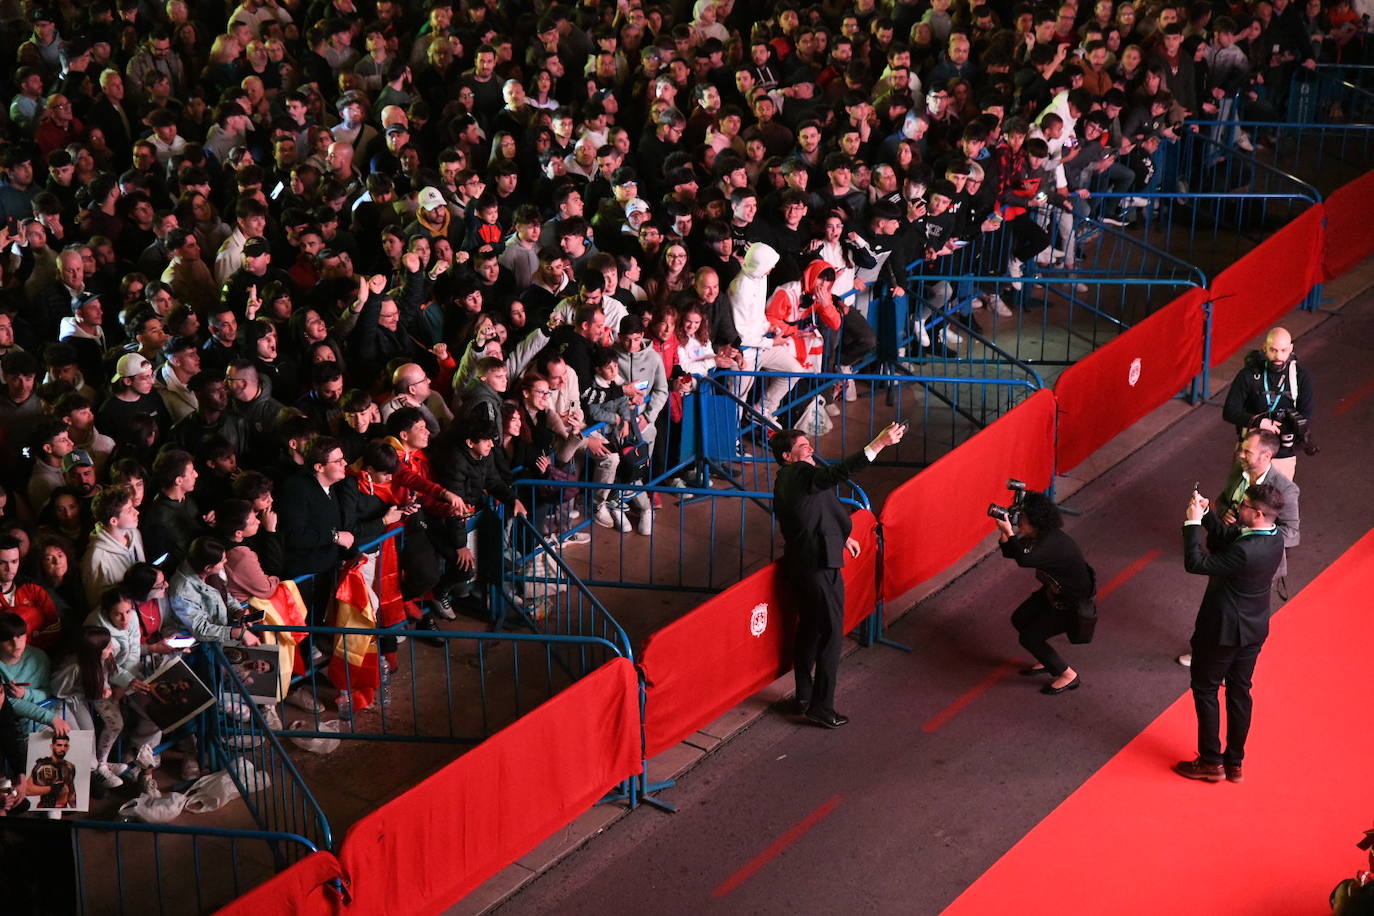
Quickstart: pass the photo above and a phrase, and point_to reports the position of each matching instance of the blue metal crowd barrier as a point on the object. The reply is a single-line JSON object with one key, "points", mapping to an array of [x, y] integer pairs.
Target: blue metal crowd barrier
{"points": [[458, 693], [166, 869], [727, 524], [944, 407], [1324, 156], [239, 741]]}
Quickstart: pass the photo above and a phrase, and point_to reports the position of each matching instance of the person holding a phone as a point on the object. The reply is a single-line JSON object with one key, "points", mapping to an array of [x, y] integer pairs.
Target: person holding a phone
{"points": [[816, 529]]}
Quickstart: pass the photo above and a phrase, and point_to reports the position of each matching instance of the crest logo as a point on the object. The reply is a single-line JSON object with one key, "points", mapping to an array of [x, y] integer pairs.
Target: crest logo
{"points": [[758, 620], [1133, 374]]}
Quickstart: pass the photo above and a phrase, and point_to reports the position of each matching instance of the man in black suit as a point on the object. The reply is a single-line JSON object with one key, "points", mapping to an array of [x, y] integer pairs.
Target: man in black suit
{"points": [[815, 528], [316, 522], [1232, 623]]}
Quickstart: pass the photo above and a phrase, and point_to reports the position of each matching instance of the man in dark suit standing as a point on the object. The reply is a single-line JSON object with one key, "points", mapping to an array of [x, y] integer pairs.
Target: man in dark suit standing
{"points": [[1233, 621], [815, 528], [316, 522]]}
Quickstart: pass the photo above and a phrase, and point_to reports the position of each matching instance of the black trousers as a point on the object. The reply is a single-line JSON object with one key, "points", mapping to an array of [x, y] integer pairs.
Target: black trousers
{"points": [[1036, 621], [1213, 666], [819, 598]]}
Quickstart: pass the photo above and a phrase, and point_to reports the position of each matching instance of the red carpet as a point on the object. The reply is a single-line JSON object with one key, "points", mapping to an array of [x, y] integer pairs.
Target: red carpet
{"points": [[1135, 838]]}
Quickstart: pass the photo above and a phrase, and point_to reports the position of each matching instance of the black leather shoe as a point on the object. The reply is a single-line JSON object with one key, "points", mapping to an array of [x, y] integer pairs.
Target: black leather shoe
{"points": [[796, 706], [1032, 672], [428, 623], [830, 719], [1051, 690]]}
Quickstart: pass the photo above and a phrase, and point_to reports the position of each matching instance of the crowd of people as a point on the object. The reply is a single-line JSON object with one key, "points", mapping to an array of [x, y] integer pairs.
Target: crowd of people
{"points": [[279, 278]]}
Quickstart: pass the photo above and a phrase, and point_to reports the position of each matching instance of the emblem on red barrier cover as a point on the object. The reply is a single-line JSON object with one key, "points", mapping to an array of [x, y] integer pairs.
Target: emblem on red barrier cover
{"points": [[1133, 375], [758, 620]]}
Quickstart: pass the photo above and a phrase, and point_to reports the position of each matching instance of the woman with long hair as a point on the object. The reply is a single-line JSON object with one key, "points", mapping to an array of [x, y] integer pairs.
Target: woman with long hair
{"points": [[671, 275], [52, 562]]}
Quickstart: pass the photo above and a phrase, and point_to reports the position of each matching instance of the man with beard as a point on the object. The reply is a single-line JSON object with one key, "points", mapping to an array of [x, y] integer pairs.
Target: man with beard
{"points": [[1272, 392]]}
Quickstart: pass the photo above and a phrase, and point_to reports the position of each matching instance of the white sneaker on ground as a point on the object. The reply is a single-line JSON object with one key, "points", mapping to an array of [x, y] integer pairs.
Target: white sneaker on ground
{"points": [[646, 522], [1000, 308], [577, 537], [146, 759], [949, 338], [611, 516], [1185, 660], [106, 777], [302, 698], [271, 717]]}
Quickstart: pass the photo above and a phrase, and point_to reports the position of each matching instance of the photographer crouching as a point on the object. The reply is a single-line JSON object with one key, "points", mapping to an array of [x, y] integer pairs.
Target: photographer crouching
{"points": [[1031, 533]]}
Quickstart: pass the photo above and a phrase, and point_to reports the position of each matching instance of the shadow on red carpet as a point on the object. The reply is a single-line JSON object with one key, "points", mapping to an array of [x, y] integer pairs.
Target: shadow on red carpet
{"points": [[1137, 839]]}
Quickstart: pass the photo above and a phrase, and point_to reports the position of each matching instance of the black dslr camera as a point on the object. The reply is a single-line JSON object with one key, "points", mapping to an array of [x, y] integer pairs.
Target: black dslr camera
{"points": [[1293, 430], [1010, 514]]}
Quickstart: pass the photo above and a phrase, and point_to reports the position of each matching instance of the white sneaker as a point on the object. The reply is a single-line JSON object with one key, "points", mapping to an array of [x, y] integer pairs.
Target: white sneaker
{"points": [[577, 537], [621, 521], [1000, 308], [925, 337], [1244, 142], [146, 758], [236, 707], [851, 391], [949, 338], [646, 522], [832, 409], [107, 778], [271, 717], [1185, 660], [302, 698], [1080, 287], [1138, 201], [574, 512]]}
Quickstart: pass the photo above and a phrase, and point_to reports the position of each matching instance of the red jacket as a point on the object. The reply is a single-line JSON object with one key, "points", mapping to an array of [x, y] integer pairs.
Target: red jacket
{"points": [[32, 602]]}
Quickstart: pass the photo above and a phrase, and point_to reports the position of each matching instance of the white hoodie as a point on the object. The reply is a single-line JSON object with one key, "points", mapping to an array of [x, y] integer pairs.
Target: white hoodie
{"points": [[749, 295], [107, 559]]}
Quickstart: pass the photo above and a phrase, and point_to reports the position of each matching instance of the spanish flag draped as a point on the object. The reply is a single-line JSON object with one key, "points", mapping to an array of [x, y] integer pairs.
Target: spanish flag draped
{"points": [[355, 664], [394, 609], [285, 609]]}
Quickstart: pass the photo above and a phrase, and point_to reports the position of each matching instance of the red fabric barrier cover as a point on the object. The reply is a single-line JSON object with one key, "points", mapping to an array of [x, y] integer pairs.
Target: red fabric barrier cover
{"points": [[422, 851], [1251, 294], [727, 649], [936, 517], [861, 572], [1349, 230], [1108, 390], [297, 891], [700, 665]]}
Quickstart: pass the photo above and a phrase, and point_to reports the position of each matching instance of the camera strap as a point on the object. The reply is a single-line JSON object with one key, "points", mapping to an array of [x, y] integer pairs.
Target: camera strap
{"points": [[1272, 400]]}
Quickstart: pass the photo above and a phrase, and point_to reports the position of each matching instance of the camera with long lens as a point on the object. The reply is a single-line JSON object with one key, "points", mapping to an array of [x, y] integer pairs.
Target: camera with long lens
{"points": [[1293, 430], [1010, 514]]}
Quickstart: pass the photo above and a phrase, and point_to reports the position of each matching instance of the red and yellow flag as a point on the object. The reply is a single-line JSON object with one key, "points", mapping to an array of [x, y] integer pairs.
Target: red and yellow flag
{"points": [[284, 608], [355, 665]]}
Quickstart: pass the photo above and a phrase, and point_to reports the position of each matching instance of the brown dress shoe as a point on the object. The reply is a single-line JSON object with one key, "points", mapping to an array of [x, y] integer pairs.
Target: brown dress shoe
{"points": [[1233, 773], [1197, 769]]}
